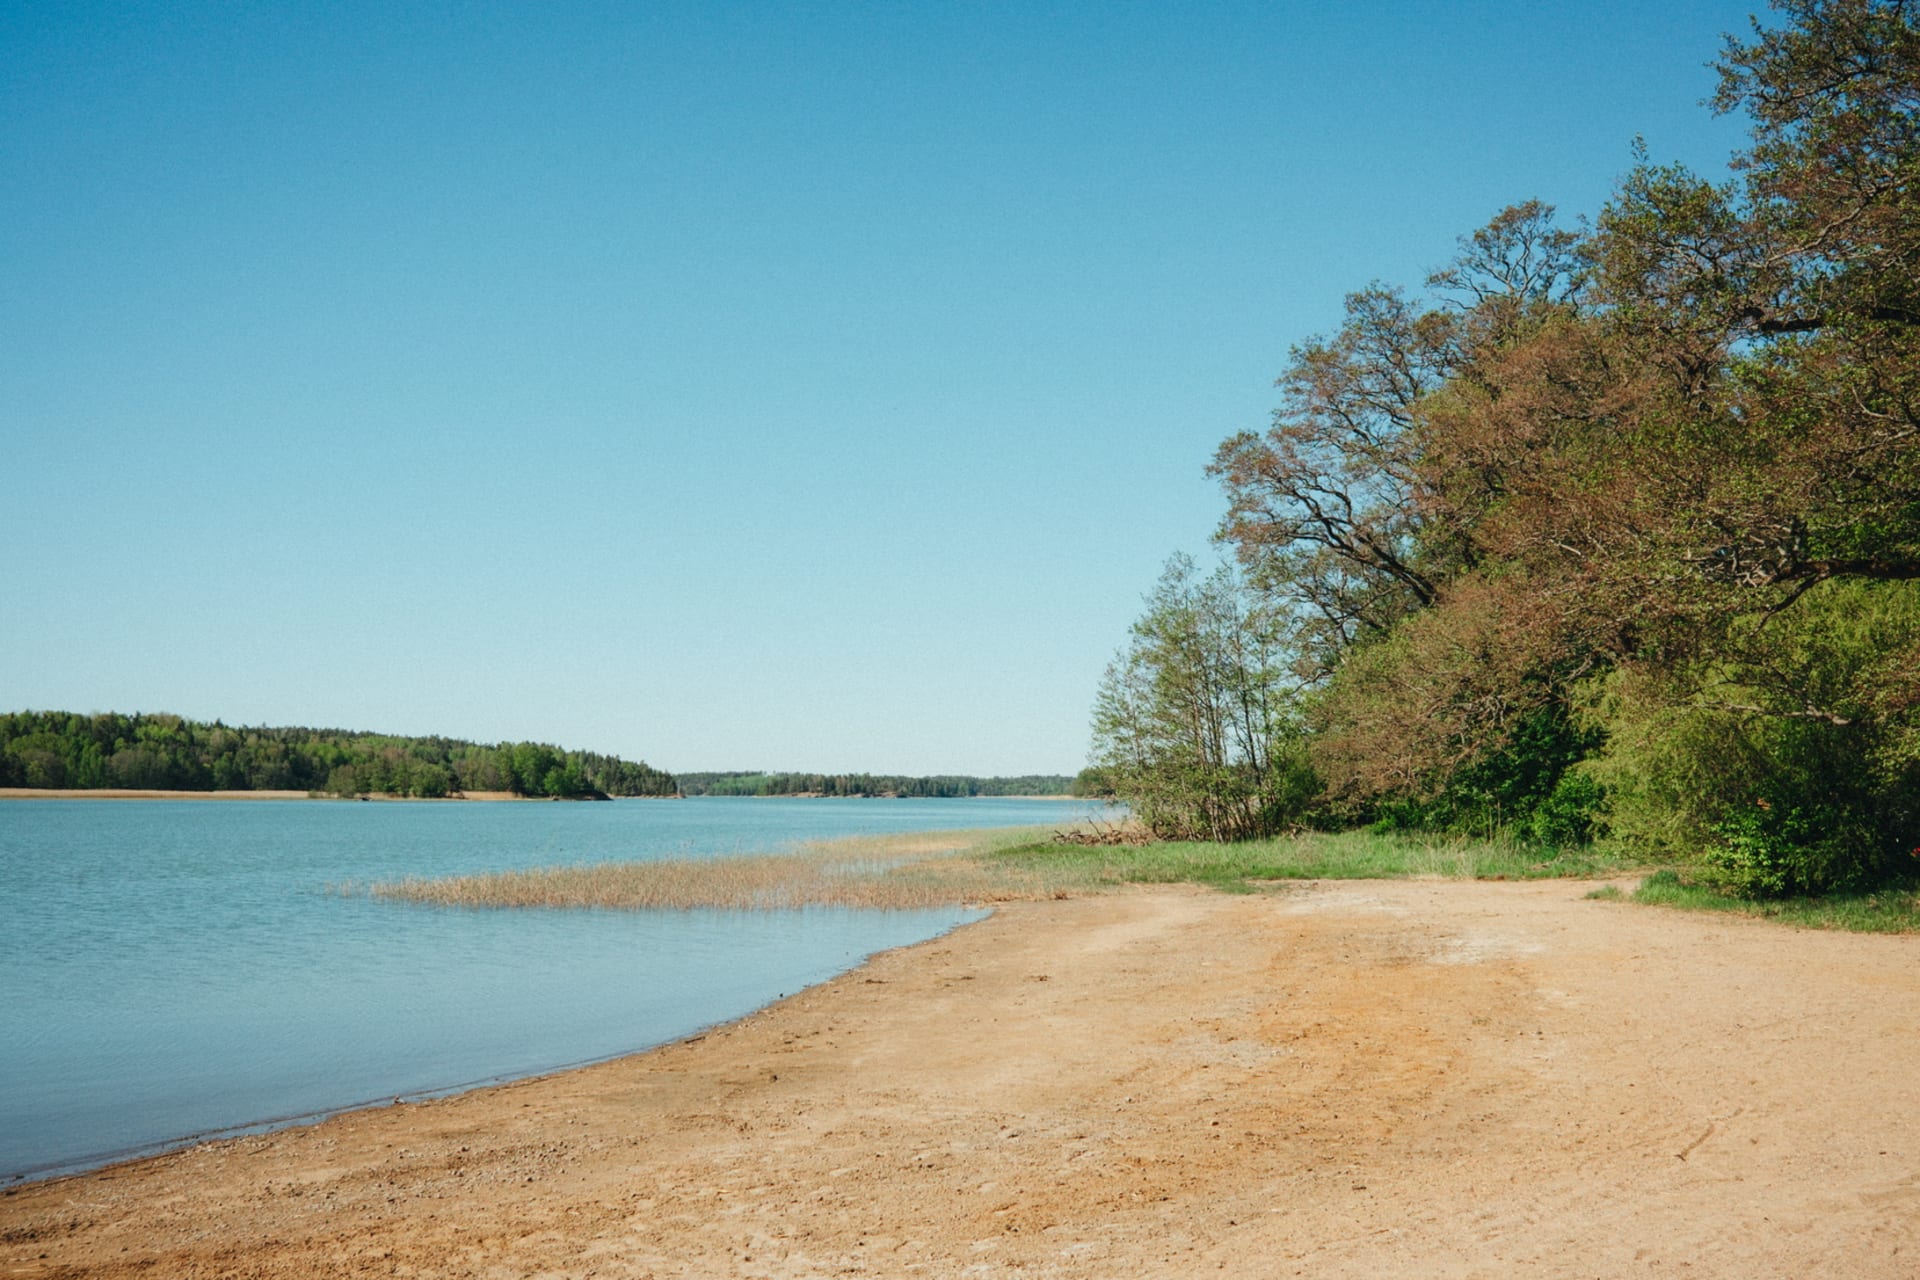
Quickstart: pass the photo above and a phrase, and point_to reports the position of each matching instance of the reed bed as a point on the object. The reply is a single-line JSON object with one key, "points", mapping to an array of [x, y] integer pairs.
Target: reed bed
{"points": [[911, 870], [952, 868]]}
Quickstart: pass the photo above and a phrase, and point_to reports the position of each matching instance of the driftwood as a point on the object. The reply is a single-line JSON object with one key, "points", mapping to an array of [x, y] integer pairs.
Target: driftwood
{"points": [[1094, 831]]}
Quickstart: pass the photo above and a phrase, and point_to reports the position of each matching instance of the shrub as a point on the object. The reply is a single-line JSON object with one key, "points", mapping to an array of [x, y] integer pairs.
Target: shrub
{"points": [[1572, 813]]}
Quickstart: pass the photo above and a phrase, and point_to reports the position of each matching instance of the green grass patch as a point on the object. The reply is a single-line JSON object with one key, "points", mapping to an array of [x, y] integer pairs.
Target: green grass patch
{"points": [[1345, 855], [1885, 911]]}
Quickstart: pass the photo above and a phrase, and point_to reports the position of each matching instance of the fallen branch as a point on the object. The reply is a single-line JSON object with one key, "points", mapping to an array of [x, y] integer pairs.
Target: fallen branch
{"points": [[1124, 832]]}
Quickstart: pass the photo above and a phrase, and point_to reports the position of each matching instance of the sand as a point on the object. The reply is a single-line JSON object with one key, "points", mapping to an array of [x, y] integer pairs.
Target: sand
{"points": [[1413, 1078]]}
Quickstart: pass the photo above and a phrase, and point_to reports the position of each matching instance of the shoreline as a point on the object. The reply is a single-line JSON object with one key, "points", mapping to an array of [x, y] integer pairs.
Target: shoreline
{"points": [[156, 793], [144, 793], [1380, 1078], [107, 1165]]}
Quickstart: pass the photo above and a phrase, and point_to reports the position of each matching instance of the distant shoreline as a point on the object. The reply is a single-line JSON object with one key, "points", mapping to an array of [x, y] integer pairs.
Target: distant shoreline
{"points": [[875, 795], [154, 793]]}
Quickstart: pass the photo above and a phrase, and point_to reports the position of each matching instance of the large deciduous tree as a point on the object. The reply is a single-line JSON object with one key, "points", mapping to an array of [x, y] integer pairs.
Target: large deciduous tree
{"points": [[1656, 483]]}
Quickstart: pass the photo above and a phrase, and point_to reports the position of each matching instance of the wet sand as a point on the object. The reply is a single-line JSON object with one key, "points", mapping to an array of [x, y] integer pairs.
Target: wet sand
{"points": [[1412, 1078]]}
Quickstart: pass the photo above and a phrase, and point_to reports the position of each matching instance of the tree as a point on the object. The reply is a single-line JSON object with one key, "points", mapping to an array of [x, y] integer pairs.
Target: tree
{"points": [[1334, 506], [1195, 724], [1623, 482]]}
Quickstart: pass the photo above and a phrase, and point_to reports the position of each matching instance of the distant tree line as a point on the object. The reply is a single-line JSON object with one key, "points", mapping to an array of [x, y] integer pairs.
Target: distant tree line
{"points": [[1609, 533], [868, 784], [63, 750]]}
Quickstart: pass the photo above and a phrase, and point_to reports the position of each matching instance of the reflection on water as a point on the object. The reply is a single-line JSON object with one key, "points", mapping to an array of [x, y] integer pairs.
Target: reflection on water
{"points": [[173, 968]]}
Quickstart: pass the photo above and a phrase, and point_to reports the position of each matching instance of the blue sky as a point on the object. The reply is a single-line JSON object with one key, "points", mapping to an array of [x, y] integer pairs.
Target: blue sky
{"points": [[728, 386]]}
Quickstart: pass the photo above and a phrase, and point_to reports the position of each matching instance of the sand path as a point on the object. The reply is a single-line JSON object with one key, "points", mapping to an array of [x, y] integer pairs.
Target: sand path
{"points": [[1431, 1079]]}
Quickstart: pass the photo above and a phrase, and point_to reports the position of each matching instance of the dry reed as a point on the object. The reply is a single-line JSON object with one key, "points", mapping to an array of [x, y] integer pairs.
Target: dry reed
{"points": [[918, 869]]}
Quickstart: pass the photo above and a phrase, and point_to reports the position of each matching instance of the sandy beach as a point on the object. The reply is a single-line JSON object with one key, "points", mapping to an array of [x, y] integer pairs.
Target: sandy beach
{"points": [[1409, 1078]]}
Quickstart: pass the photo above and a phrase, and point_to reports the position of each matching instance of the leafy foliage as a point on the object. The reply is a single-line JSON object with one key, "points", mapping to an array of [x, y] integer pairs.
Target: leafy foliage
{"points": [[1197, 722], [1616, 532]]}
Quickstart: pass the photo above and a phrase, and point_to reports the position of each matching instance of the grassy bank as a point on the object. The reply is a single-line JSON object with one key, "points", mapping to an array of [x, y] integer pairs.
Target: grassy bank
{"points": [[1885, 911], [930, 869], [1345, 855]]}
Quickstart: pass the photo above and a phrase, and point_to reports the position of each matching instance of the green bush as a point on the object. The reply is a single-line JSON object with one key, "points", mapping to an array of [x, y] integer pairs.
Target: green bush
{"points": [[1571, 814], [1529, 786], [1765, 853], [1787, 772]]}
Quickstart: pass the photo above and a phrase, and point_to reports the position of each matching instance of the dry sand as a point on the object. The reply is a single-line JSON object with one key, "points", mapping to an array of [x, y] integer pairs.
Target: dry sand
{"points": [[1428, 1079]]}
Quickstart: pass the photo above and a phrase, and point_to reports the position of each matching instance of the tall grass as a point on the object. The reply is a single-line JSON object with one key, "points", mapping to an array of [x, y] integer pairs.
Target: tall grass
{"points": [[934, 869], [1345, 855], [919, 869], [1894, 910]]}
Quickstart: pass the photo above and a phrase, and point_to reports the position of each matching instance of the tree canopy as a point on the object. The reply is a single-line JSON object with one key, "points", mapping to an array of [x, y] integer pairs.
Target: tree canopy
{"points": [[1622, 521]]}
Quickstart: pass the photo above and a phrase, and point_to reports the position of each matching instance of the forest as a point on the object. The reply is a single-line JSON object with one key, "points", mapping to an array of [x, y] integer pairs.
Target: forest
{"points": [[62, 750], [867, 784], [65, 751], [1608, 532]]}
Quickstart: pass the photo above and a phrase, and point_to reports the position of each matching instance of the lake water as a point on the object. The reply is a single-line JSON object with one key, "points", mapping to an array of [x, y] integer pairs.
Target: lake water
{"points": [[175, 969]]}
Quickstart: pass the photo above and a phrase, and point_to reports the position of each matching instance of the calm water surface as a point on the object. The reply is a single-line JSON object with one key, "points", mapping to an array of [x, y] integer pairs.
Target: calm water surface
{"points": [[171, 969]]}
